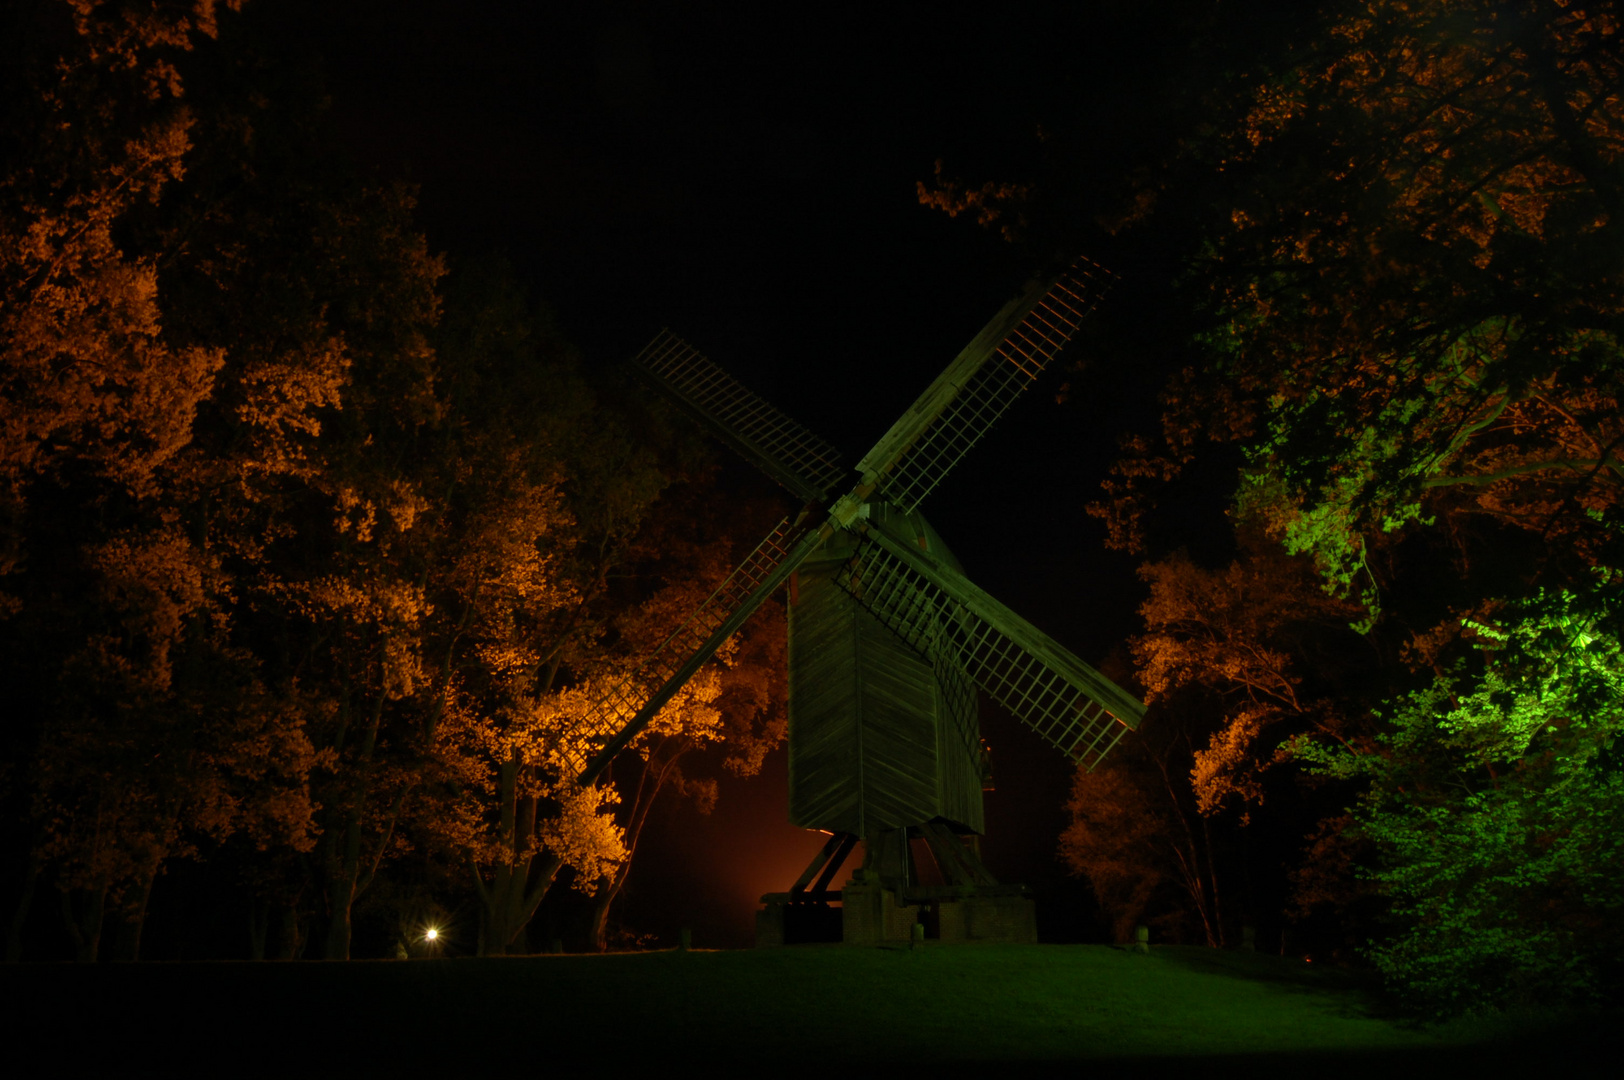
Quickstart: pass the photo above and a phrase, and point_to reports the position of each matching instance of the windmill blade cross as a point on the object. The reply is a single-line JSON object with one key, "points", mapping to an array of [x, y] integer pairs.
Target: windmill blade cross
{"points": [[808, 466], [961, 406], [932, 606]]}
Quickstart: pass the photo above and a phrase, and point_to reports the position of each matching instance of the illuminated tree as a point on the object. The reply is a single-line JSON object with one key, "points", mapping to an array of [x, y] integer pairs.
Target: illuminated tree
{"points": [[88, 377], [1249, 636], [1435, 350], [1233, 663], [739, 701], [1400, 263], [297, 571], [577, 538], [1497, 804], [1144, 848], [312, 481], [144, 729], [1419, 343]]}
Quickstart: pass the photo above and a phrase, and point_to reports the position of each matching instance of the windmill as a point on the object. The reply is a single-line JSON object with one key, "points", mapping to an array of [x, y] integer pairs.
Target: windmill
{"points": [[889, 640]]}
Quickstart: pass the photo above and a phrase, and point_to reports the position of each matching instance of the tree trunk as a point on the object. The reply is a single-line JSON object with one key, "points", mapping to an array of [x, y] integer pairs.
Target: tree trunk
{"points": [[344, 880], [19, 914], [654, 774], [259, 925], [290, 945], [127, 938], [1212, 876], [510, 899], [602, 900], [341, 891], [1189, 858], [85, 927]]}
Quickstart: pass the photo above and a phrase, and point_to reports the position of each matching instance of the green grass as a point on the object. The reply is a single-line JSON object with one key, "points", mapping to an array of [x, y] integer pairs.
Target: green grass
{"points": [[802, 1009]]}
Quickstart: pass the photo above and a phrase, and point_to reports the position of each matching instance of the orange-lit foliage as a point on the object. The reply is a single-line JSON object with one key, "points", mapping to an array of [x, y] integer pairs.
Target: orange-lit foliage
{"points": [[147, 728], [86, 374], [1417, 280], [1118, 840], [1399, 266], [992, 203], [560, 562], [1233, 663], [294, 565], [739, 701], [1243, 638]]}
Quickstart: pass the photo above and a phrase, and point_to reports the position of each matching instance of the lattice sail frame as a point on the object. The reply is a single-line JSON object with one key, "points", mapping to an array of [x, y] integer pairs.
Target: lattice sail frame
{"points": [[1010, 660], [961, 406], [959, 692], [807, 465], [1043, 685], [732, 601]]}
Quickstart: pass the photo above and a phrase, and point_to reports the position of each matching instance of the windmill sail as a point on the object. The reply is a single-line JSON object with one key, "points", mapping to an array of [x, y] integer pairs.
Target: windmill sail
{"points": [[943, 616], [965, 401], [810, 468], [932, 606], [617, 718]]}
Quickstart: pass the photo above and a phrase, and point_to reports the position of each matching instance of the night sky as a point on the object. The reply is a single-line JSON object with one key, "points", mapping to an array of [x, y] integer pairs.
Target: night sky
{"points": [[751, 185]]}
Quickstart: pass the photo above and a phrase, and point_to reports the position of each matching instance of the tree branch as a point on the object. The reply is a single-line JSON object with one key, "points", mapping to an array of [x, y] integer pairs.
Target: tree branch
{"points": [[1518, 470]]}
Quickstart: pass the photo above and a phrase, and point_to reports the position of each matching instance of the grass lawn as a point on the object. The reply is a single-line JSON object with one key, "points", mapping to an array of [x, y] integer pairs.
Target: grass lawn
{"points": [[797, 1010]]}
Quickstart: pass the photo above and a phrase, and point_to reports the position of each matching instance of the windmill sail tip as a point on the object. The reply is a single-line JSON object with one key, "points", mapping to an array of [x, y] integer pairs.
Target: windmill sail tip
{"points": [[806, 465]]}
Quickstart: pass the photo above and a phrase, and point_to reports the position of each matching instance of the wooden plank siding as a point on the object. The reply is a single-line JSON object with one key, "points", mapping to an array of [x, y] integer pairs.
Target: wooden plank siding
{"points": [[824, 709], [877, 741], [958, 750]]}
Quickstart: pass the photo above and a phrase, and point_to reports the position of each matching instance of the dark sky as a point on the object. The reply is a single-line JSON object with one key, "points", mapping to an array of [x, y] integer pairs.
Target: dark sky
{"points": [[750, 183]]}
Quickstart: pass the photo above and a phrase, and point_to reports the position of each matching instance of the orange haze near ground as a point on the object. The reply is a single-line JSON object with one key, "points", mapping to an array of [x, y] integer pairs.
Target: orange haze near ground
{"points": [[708, 872]]}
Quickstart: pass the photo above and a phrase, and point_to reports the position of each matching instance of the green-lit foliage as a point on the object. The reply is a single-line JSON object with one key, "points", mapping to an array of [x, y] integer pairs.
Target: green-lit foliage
{"points": [[1414, 294], [1497, 804]]}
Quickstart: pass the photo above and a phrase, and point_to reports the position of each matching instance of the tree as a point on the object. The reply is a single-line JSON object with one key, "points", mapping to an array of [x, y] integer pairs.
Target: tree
{"points": [[308, 554], [1146, 851], [1497, 805], [1399, 257], [147, 728], [97, 128], [740, 701], [577, 539], [1234, 663], [1249, 636], [1464, 381], [1418, 294]]}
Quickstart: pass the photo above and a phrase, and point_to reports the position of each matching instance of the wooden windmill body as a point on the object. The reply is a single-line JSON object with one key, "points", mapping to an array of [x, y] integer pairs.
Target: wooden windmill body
{"points": [[883, 735], [890, 644]]}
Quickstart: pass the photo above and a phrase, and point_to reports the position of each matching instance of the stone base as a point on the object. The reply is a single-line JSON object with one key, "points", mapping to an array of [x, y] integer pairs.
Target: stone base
{"points": [[804, 923], [770, 925], [871, 914], [1011, 920]]}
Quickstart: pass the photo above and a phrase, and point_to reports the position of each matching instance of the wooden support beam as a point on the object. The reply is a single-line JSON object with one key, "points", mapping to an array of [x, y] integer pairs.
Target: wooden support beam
{"points": [[957, 862], [847, 842], [816, 864], [829, 859]]}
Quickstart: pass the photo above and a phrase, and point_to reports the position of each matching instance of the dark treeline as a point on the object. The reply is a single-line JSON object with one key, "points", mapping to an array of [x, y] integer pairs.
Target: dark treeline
{"points": [[1384, 248], [311, 544]]}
